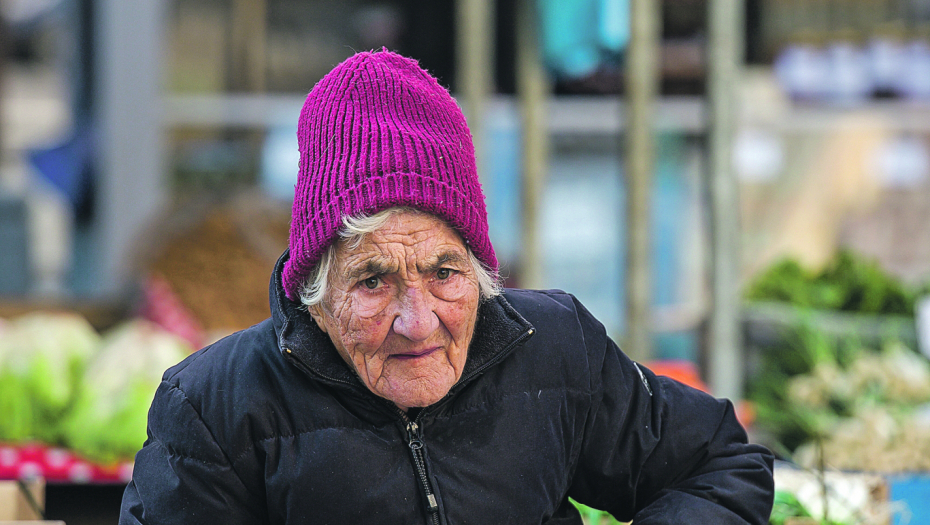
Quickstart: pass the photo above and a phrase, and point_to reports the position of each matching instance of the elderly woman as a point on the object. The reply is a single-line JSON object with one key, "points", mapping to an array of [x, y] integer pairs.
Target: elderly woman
{"points": [[397, 383]]}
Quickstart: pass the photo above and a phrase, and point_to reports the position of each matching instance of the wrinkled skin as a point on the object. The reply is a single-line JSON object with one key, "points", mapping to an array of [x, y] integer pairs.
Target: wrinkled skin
{"points": [[401, 309]]}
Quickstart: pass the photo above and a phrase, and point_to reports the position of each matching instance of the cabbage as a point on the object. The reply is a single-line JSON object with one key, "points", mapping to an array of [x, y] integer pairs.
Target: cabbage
{"points": [[42, 359], [15, 412], [108, 420]]}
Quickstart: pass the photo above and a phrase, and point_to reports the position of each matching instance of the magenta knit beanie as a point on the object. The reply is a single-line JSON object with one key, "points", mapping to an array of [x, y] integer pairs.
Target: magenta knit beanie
{"points": [[377, 132]]}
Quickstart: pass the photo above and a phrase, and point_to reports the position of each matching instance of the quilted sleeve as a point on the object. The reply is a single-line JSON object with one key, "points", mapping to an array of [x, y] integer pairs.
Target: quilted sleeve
{"points": [[182, 475], [658, 452]]}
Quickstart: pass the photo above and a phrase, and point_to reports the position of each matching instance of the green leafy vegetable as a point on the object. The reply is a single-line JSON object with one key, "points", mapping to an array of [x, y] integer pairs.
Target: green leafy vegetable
{"points": [[108, 421], [593, 516], [42, 360], [850, 283], [786, 506]]}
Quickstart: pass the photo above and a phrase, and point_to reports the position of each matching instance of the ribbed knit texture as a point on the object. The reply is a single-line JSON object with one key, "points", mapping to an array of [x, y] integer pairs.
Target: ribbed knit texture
{"points": [[377, 132]]}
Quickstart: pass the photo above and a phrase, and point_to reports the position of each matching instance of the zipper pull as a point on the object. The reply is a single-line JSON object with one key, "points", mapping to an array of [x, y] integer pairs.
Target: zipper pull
{"points": [[413, 436], [415, 443]]}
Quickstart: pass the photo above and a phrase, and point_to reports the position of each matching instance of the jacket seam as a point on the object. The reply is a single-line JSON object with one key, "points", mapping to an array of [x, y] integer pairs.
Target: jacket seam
{"points": [[173, 371], [175, 453], [212, 435], [251, 446]]}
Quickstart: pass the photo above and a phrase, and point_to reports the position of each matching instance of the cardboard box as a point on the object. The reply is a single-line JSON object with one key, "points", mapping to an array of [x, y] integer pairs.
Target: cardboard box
{"points": [[15, 504]]}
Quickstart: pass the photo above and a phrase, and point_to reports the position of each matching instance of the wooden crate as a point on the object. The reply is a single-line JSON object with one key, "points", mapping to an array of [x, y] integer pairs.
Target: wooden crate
{"points": [[15, 504]]}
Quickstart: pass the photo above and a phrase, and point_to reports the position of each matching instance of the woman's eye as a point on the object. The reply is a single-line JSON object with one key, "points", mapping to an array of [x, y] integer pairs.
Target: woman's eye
{"points": [[444, 273], [371, 283]]}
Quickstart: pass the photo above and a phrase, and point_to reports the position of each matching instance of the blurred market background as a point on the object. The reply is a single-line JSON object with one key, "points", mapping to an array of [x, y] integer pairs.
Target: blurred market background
{"points": [[739, 190]]}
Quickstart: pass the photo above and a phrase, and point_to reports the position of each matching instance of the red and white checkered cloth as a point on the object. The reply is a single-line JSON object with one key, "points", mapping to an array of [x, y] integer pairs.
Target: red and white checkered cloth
{"points": [[57, 465]]}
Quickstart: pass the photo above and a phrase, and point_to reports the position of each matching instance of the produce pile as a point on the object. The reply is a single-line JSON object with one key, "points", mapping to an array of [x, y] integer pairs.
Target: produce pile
{"points": [[64, 384], [849, 283], [870, 414], [836, 498], [863, 408], [219, 267]]}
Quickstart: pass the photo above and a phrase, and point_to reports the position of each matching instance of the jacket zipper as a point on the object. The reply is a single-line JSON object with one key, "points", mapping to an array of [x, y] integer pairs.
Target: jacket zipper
{"points": [[415, 437], [415, 442], [414, 432]]}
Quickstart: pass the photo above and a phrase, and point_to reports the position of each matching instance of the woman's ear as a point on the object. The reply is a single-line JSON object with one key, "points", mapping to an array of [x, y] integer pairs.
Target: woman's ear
{"points": [[316, 312]]}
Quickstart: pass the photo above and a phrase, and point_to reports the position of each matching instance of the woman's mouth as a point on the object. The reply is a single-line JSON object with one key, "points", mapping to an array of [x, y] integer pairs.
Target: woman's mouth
{"points": [[416, 354]]}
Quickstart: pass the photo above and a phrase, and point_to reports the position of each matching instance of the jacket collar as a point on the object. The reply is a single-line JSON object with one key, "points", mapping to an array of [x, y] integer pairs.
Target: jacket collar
{"points": [[498, 330]]}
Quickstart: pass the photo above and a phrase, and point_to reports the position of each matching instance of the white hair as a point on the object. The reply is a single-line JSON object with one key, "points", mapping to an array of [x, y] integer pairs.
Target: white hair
{"points": [[354, 230]]}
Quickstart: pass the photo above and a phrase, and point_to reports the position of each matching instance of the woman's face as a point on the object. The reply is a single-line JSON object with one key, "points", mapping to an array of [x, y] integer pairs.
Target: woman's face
{"points": [[401, 308]]}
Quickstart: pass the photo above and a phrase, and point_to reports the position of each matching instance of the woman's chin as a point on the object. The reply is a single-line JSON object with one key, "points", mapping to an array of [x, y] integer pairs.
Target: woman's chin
{"points": [[418, 391]]}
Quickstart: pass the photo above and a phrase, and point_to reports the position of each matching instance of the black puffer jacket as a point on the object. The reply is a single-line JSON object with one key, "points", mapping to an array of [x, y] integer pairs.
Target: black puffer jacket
{"points": [[269, 425]]}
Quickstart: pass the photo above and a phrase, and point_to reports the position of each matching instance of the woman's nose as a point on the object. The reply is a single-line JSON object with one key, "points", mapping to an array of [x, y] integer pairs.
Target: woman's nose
{"points": [[415, 319]]}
